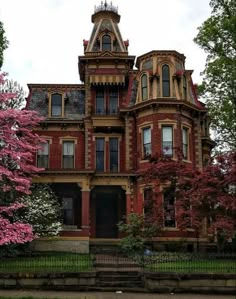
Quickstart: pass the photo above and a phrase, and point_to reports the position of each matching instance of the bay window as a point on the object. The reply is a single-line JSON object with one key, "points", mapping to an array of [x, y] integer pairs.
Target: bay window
{"points": [[185, 143], [169, 207], [167, 141], [144, 87], [147, 142], [165, 81]]}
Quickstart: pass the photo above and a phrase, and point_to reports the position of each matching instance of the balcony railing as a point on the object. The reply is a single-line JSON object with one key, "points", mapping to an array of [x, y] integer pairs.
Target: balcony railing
{"points": [[109, 111]]}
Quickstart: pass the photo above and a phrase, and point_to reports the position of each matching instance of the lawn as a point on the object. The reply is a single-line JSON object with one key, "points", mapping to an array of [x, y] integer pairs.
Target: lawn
{"points": [[30, 297], [24, 298], [48, 262], [34, 298], [203, 266], [180, 263], [54, 262]]}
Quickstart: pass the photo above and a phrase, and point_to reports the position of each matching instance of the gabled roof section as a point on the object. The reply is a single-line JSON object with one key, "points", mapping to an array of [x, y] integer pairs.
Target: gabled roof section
{"points": [[105, 19]]}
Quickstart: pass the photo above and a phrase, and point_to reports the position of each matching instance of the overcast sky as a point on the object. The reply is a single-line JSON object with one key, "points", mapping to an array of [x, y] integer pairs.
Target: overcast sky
{"points": [[46, 36]]}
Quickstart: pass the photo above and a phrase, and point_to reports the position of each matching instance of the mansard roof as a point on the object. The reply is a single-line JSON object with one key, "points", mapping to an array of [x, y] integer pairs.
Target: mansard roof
{"points": [[178, 55]]}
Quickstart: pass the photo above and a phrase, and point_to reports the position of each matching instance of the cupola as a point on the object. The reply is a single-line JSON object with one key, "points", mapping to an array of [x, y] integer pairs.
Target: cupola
{"points": [[105, 35]]}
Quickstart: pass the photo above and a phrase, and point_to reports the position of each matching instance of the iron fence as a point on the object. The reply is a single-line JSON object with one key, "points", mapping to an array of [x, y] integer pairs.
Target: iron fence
{"points": [[190, 262], [48, 263], [157, 261]]}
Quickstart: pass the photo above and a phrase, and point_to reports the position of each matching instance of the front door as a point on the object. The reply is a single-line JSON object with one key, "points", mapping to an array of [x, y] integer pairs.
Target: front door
{"points": [[106, 217]]}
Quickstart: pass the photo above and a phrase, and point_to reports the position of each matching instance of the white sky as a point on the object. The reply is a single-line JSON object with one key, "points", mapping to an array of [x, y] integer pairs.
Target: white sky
{"points": [[46, 36]]}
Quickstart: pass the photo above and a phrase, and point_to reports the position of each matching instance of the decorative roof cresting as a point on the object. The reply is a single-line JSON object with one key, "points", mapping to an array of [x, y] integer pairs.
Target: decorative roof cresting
{"points": [[104, 6]]}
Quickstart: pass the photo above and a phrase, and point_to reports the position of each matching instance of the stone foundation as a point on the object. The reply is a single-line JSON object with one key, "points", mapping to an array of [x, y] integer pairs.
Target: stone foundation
{"points": [[152, 282], [79, 244], [192, 283]]}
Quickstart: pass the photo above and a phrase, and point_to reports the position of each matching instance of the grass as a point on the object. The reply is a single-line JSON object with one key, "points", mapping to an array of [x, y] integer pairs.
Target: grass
{"points": [[30, 297], [24, 298], [35, 298], [198, 266], [48, 262], [54, 262]]}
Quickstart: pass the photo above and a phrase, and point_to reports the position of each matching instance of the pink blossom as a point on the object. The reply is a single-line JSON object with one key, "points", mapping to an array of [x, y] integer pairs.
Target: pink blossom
{"points": [[18, 145]]}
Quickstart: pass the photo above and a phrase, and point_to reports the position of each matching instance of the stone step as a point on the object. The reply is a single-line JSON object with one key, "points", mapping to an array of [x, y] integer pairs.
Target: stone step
{"points": [[119, 274], [120, 284], [119, 278], [114, 265], [112, 269]]}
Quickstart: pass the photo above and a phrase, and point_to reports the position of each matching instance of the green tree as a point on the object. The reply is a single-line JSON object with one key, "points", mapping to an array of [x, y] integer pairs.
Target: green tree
{"points": [[17, 100], [137, 231], [3, 43], [42, 211], [217, 36]]}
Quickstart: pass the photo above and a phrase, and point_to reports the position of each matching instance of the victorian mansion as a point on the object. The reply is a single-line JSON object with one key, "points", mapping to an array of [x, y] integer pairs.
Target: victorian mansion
{"points": [[100, 134]]}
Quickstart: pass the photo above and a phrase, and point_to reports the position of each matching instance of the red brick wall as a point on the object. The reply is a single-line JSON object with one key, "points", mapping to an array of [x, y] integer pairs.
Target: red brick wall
{"points": [[55, 149]]}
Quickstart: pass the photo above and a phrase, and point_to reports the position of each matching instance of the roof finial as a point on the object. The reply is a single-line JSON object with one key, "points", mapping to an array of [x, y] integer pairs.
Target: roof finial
{"points": [[105, 6]]}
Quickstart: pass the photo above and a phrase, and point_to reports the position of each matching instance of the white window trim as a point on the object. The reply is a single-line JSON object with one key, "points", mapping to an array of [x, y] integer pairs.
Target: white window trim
{"points": [[62, 140], [186, 126]]}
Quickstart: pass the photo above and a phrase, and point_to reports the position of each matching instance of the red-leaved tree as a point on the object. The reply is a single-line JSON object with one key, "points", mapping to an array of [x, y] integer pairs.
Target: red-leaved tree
{"points": [[210, 196], [18, 144], [201, 197]]}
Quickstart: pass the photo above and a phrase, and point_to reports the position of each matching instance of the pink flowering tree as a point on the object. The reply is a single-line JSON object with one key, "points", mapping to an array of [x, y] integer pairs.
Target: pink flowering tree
{"points": [[18, 144]]}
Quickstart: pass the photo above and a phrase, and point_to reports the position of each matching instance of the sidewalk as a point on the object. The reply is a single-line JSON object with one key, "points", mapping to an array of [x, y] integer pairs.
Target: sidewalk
{"points": [[106, 295]]}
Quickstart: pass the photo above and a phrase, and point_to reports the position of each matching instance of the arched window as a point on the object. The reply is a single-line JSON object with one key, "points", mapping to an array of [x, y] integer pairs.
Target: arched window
{"points": [[144, 87], [165, 81], [106, 42], [56, 104]]}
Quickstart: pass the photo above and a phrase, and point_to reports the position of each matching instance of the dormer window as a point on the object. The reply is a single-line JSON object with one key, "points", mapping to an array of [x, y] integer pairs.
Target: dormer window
{"points": [[144, 87], [165, 81], [184, 87], [56, 105], [106, 43]]}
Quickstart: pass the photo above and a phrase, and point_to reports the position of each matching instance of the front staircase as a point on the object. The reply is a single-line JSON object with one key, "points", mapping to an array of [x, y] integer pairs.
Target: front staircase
{"points": [[117, 271], [120, 280]]}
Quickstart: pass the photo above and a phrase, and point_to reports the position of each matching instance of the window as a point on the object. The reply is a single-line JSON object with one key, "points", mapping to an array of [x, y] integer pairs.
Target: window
{"points": [[169, 207], [147, 142], [106, 43], [100, 102], [100, 154], [144, 87], [185, 143], [165, 81], [184, 87], [113, 102], [68, 154], [148, 202], [56, 104], [113, 145], [42, 155], [67, 206], [167, 141], [107, 101]]}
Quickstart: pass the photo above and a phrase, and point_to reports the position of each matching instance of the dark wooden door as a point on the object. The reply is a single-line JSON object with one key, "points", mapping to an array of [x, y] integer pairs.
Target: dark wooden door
{"points": [[106, 217]]}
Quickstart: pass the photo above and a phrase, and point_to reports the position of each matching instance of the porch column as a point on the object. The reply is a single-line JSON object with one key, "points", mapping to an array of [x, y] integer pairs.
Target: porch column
{"points": [[85, 221], [128, 203]]}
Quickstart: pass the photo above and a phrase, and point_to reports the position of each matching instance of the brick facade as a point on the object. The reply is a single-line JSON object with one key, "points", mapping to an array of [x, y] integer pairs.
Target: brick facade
{"points": [[99, 127]]}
